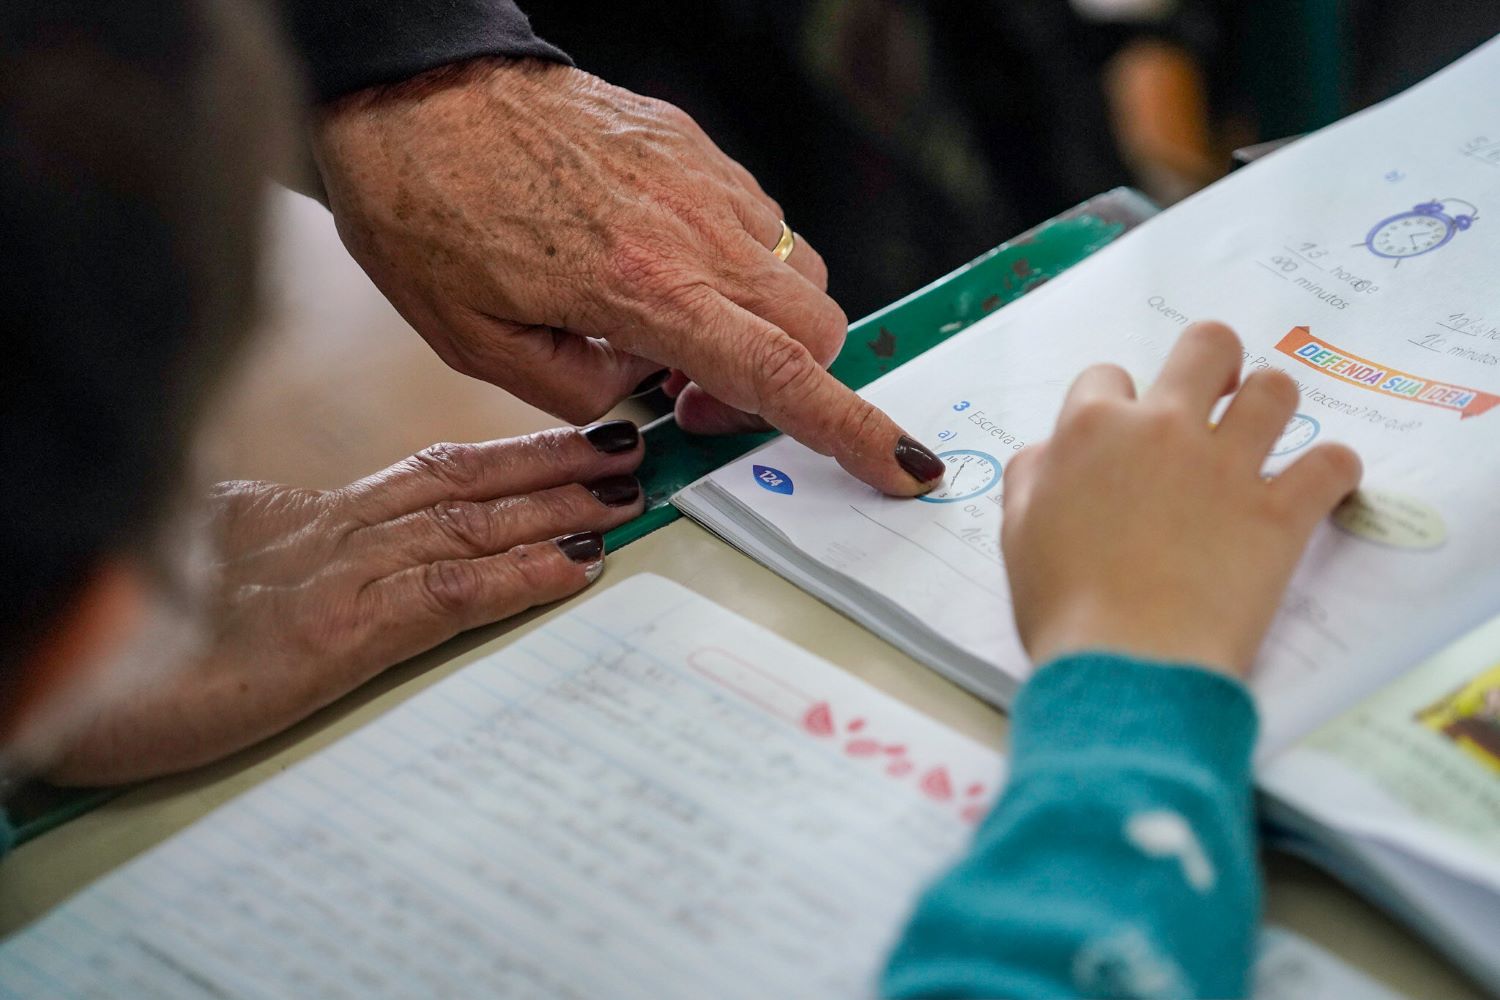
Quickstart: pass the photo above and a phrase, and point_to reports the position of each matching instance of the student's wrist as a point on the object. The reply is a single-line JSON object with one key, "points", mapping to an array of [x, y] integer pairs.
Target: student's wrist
{"points": [[1102, 701], [1084, 630]]}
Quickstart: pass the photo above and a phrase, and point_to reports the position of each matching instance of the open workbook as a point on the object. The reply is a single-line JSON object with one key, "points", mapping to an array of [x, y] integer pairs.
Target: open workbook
{"points": [[645, 797], [1364, 261]]}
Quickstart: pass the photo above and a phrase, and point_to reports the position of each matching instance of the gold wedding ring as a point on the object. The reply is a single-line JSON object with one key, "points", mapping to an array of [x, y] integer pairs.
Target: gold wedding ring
{"points": [[788, 242]]}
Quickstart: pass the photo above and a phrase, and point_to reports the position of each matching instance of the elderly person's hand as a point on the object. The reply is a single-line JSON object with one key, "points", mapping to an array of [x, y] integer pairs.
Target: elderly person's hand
{"points": [[317, 592], [569, 241]]}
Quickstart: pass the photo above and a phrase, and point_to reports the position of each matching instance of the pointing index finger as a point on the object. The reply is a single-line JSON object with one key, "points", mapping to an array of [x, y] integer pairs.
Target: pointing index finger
{"points": [[800, 397], [754, 365]]}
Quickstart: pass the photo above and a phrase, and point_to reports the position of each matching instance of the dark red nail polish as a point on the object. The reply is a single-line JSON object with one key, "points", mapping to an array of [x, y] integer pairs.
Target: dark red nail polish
{"points": [[613, 436], [584, 547], [615, 491], [651, 383], [919, 462]]}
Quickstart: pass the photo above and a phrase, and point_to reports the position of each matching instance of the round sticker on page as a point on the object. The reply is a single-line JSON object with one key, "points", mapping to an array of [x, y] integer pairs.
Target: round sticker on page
{"points": [[1392, 520], [970, 473]]}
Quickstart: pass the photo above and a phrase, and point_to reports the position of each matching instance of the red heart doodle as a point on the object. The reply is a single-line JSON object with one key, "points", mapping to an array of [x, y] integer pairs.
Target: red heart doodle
{"points": [[818, 720], [936, 785]]}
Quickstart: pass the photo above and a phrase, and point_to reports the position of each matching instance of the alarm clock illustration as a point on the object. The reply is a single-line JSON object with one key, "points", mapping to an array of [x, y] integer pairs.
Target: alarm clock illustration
{"points": [[1426, 227], [970, 473]]}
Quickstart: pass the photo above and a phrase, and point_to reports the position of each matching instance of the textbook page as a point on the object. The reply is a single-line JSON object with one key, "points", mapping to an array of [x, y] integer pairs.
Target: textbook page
{"points": [[1361, 261], [1415, 767], [646, 797]]}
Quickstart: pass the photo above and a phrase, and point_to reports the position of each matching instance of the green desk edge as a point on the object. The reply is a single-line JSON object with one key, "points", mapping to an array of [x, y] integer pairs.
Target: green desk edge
{"points": [[879, 342]]}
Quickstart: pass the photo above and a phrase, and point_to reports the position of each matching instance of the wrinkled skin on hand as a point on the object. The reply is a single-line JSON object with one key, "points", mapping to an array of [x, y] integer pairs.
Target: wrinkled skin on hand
{"points": [[569, 241], [315, 592], [1140, 528]]}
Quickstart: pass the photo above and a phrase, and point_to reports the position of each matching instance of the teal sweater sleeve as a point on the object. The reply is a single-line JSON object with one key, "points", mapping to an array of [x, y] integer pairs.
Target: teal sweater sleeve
{"points": [[1120, 860]]}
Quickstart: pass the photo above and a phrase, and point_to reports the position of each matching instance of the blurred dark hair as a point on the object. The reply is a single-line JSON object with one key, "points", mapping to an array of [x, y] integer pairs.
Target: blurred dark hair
{"points": [[135, 143]]}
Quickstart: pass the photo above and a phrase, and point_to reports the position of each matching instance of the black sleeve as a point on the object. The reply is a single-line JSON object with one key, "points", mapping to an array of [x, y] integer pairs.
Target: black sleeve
{"points": [[350, 44]]}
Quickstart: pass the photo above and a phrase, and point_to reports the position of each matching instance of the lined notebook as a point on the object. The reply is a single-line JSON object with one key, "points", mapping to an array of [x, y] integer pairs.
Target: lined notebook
{"points": [[646, 797]]}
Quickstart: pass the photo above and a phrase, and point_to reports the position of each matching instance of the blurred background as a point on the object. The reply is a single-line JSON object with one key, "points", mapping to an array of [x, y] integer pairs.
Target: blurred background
{"points": [[902, 138]]}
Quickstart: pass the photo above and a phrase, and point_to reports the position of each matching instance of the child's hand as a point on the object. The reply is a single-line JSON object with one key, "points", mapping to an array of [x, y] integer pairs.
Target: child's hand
{"points": [[1139, 528]]}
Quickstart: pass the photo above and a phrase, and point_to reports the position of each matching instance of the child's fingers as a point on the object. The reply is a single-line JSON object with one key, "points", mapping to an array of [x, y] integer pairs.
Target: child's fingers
{"points": [[1313, 485], [1258, 414], [1097, 383], [1203, 366], [1020, 472]]}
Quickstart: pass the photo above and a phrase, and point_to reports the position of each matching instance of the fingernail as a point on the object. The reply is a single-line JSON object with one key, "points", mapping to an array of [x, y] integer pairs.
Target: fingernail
{"points": [[919, 461], [613, 436], [583, 547], [615, 491], [651, 383]]}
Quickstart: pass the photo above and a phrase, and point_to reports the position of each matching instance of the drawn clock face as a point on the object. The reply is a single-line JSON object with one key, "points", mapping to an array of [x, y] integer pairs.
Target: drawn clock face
{"points": [[970, 474], [1297, 434], [1424, 229]]}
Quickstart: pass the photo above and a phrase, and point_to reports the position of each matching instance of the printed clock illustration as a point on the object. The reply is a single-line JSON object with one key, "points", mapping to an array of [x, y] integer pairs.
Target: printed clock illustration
{"points": [[1423, 229], [970, 473], [1299, 431]]}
